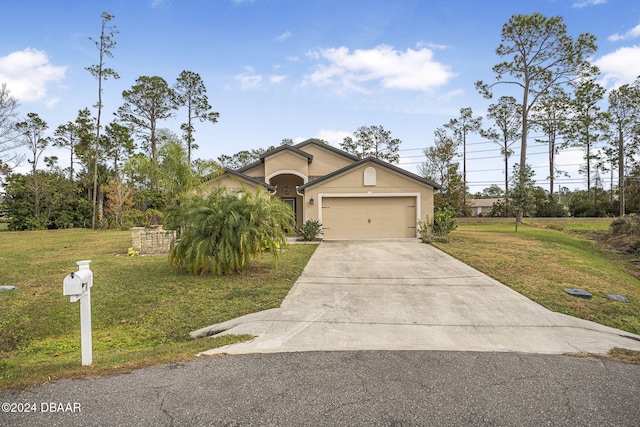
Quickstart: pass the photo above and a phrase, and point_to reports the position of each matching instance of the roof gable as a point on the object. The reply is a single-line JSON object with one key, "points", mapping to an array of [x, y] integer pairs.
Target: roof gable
{"points": [[487, 203], [299, 149], [286, 148], [320, 144], [276, 150], [244, 177], [378, 162]]}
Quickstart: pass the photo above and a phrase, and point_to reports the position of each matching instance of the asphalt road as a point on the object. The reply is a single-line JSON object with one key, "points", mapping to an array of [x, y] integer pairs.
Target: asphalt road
{"points": [[350, 388]]}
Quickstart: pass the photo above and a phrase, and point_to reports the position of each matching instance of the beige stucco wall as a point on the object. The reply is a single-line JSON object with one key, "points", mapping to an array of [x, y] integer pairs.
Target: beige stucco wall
{"points": [[230, 182], [352, 184], [286, 161], [324, 161], [256, 172]]}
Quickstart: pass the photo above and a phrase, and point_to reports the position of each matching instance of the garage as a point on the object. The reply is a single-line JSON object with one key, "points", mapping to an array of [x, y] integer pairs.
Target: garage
{"points": [[373, 216]]}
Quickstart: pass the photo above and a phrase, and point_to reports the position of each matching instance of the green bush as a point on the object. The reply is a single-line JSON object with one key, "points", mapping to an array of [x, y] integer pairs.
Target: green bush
{"points": [[424, 229], [46, 200], [444, 222], [310, 230]]}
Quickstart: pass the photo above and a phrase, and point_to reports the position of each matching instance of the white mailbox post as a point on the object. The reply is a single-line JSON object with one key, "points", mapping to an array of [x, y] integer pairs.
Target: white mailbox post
{"points": [[77, 286]]}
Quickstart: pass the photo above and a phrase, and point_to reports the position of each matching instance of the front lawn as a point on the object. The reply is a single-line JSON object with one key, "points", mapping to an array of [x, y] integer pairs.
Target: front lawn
{"points": [[142, 311], [546, 256]]}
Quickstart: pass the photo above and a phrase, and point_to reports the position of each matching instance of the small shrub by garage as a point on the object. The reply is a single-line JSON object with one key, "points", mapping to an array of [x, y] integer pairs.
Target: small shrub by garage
{"points": [[310, 230]]}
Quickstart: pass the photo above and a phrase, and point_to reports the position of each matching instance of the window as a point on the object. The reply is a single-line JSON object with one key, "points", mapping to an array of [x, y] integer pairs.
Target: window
{"points": [[370, 176], [292, 203]]}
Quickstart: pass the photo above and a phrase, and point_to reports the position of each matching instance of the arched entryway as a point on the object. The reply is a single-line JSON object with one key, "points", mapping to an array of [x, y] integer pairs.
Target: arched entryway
{"points": [[286, 184]]}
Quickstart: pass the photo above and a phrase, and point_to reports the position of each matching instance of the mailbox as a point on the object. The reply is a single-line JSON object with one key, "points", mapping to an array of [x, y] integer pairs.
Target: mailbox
{"points": [[78, 282], [77, 286]]}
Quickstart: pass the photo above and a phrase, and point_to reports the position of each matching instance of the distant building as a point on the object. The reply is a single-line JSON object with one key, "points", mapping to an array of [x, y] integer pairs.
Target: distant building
{"points": [[482, 207]]}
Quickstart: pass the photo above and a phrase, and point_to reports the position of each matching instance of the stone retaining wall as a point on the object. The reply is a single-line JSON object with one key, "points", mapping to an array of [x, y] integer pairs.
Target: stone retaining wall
{"points": [[151, 241]]}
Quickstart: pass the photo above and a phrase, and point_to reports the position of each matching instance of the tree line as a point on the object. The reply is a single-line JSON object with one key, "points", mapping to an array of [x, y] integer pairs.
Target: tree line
{"points": [[132, 165], [367, 141], [560, 98], [120, 174]]}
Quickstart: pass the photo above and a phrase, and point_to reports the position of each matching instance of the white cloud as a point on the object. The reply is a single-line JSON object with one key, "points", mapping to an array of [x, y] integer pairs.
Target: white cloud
{"points": [[631, 34], [27, 73], [620, 66], [585, 3], [451, 94], [333, 137], [160, 4], [248, 81], [392, 69], [52, 102], [275, 79], [433, 46], [282, 37]]}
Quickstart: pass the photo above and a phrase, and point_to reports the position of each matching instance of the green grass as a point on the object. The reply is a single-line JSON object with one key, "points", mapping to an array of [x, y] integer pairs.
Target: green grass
{"points": [[142, 311], [545, 257]]}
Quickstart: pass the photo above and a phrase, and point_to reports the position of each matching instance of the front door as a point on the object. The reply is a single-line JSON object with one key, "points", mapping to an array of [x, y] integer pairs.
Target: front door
{"points": [[292, 203]]}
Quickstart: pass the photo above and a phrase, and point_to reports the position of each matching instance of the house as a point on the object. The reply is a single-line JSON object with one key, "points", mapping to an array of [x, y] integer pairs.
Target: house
{"points": [[351, 197], [482, 207]]}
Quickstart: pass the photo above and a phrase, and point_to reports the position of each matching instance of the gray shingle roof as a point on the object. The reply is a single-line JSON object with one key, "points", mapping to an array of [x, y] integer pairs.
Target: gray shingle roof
{"points": [[376, 161]]}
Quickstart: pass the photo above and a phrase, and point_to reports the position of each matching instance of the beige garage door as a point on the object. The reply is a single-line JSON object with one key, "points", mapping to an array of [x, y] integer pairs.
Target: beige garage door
{"points": [[356, 217]]}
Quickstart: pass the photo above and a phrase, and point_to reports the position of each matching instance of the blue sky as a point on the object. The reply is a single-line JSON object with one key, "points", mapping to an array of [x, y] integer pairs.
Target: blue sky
{"points": [[298, 69]]}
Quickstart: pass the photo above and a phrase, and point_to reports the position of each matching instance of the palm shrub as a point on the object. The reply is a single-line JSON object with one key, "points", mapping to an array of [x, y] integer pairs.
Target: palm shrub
{"points": [[223, 232], [310, 230]]}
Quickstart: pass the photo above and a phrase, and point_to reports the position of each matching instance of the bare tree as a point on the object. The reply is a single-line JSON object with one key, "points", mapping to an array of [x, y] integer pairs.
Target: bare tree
{"points": [[551, 116], [588, 124], [624, 110], [8, 132], [32, 131], [506, 116], [461, 127], [67, 136], [104, 45]]}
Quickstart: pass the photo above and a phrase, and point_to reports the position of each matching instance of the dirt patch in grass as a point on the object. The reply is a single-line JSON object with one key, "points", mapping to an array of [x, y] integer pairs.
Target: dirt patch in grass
{"points": [[621, 355], [623, 236]]}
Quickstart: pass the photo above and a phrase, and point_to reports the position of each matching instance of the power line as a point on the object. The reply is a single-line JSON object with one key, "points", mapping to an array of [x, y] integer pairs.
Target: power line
{"points": [[500, 156]]}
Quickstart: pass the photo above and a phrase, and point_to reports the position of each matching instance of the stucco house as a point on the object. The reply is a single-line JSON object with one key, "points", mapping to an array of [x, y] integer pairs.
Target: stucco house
{"points": [[351, 197], [482, 207]]}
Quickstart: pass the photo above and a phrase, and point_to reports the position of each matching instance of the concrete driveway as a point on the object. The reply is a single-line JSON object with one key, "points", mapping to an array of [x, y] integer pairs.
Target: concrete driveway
{"points": [[405, 295]]}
